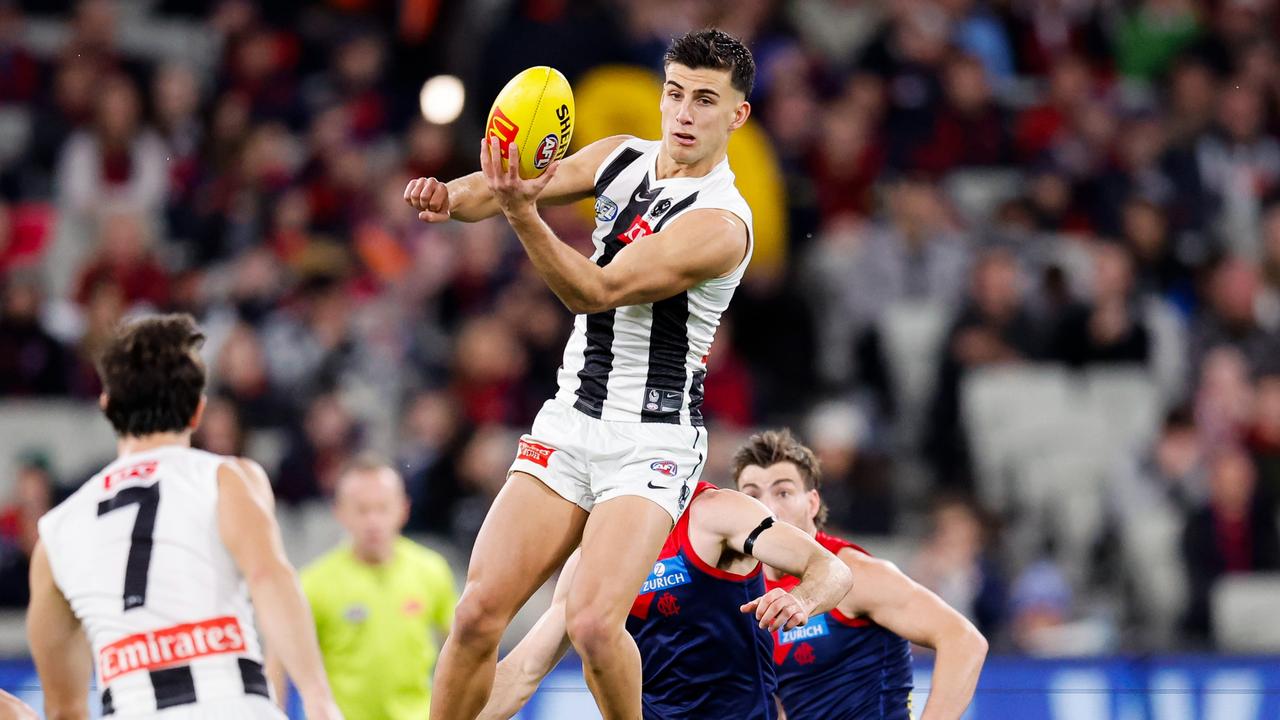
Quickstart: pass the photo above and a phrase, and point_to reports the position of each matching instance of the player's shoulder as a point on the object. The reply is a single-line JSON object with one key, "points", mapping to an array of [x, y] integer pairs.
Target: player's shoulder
{"points": [[837, 544]]}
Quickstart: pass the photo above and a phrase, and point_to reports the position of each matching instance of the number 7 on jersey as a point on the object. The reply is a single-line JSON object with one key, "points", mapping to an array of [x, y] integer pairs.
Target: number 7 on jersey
{"points": [[139, 561]]}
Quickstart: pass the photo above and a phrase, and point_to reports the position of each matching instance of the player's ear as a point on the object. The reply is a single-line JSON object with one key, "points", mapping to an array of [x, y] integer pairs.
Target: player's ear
{"points": [[198, 414], [103, 400], [815, 504], [740, 115]]}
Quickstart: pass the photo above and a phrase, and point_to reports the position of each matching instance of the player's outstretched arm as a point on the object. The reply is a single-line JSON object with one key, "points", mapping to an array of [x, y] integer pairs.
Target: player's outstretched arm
{"points": [[58, 645], [698, 246], [11, 708], [522, 670], [247, 525], [735, 518], [904, 607], [469, 198]]}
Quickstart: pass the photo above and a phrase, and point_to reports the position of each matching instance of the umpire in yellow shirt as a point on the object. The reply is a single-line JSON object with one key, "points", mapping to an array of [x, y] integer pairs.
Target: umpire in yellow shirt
{"points": [[382, 603]]}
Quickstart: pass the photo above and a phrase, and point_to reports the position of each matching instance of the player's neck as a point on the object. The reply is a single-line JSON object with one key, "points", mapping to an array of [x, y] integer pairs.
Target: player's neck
{"points": [[668, 168], [131, 444]]}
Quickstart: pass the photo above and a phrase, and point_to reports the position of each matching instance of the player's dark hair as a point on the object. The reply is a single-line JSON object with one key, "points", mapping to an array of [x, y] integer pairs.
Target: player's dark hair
{"points": [[717, 50], [771, 447], [152, 375]]}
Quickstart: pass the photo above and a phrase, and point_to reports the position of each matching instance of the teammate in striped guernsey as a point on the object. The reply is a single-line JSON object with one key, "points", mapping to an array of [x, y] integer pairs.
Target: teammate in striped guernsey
{"points": [[612, 460], [854, 662], [153, 562]]}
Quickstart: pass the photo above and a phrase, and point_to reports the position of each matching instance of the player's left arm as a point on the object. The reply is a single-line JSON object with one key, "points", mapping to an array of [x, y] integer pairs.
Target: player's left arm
{"points": [[902, 606], [59, 647], [698, 246], [11, 708], [824, 580]]}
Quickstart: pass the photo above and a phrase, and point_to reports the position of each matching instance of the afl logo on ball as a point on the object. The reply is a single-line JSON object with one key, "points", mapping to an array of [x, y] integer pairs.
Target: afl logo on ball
{"points": [[546, 151], [666, 467]]}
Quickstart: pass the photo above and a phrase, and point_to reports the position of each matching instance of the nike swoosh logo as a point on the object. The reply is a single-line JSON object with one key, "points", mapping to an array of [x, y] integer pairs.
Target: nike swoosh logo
{"points": [[658, 487], [646, 196]]}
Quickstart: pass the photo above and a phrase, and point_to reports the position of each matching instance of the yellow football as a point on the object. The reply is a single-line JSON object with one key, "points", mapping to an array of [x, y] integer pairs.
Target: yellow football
{"points": [[534, 111]]}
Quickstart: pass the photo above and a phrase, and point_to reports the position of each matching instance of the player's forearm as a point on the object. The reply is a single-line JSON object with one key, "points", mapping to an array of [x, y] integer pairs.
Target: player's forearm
{"points": [[573, 278], [956, 668], [824, 583], [470, 199], [512, 688], [289, 629]]}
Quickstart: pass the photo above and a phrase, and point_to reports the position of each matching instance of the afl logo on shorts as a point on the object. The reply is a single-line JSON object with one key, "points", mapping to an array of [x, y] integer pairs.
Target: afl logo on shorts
{"points": [[546, 151], [606, 209], [666, 467]]}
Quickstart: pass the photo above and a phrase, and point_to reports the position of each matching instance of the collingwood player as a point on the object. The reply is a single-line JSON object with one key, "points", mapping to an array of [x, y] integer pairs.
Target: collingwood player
{"points": [[146, 573], [612, 460]]}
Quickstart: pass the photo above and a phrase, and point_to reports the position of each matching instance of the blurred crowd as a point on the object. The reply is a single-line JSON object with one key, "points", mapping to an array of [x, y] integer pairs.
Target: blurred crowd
{"points": [[1076, 182]]}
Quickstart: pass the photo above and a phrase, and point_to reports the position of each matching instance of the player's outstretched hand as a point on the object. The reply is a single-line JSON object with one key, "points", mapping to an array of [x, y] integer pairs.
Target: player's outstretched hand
{"points": [[430, 197], [11, 708], [778, 609], [508, 188]]}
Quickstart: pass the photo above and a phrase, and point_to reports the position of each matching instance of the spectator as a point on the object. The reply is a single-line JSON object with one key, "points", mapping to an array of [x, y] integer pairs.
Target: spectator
{"points": [[955, 563], [970, 130], [1233, 532], [220, 431], [856, 485], [1238, 165], [993, 328], [1152, 34], [1230, 317], [32, 497], [1263, 439], [318, 450], [125, 258], [1109, 329], [33, 361], [1148, 498], [117, 160]]}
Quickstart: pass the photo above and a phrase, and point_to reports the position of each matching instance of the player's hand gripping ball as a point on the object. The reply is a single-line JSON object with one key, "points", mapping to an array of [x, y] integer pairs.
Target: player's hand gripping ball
{"points": [[535, 113]]}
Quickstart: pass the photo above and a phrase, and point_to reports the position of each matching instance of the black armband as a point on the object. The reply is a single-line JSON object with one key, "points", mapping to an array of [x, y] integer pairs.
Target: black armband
{"points": [[751, 539]]}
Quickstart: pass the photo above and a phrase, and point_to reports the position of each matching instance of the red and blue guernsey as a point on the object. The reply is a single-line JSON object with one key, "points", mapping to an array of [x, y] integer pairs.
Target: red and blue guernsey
{"points": [[700, 656], [841, 668]]}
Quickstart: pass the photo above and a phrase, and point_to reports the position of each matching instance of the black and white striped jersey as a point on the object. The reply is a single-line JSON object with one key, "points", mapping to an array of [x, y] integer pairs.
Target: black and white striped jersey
{"points": [[647, 363], [137, 553]]}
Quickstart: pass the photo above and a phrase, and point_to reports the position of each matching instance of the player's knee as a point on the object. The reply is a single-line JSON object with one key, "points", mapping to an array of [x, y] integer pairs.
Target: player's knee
{"points": [[479, 619], [591, 631]]}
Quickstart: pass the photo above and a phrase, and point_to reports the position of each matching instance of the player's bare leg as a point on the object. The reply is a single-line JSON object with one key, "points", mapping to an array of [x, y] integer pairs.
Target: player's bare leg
{"points": [[528, 533], [622, 539]]}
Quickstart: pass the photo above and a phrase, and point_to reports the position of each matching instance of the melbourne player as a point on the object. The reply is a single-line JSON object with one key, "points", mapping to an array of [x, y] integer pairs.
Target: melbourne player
{"points": [[854, 663], [152, 563], [703, 637], [611, 461]]}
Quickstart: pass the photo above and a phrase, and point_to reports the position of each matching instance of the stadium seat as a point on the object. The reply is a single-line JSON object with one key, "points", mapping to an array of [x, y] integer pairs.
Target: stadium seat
{"points": [[911, 332], [1244, 610], [72, 435]]}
